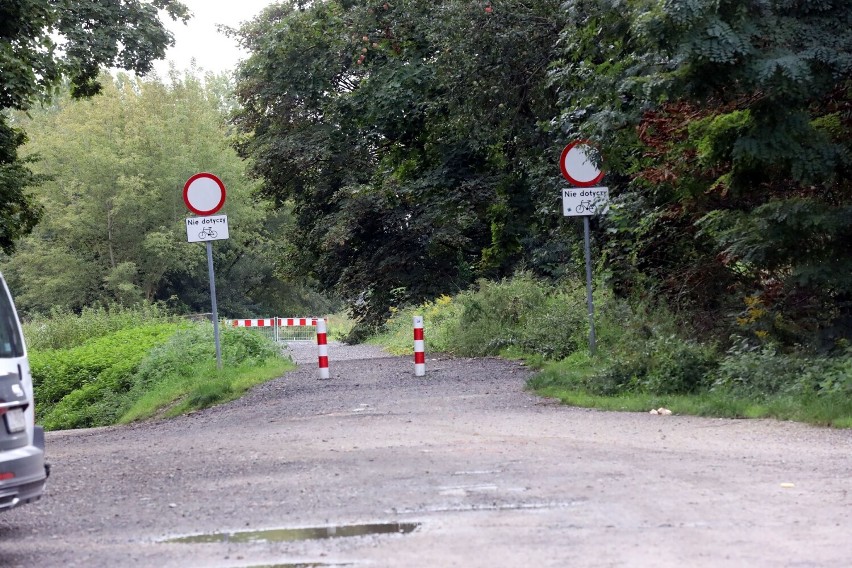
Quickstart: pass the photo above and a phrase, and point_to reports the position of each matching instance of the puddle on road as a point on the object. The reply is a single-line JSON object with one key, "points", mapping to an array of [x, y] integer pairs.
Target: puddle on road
{"points": [[298, 565], [289, 535], [293, 566]]}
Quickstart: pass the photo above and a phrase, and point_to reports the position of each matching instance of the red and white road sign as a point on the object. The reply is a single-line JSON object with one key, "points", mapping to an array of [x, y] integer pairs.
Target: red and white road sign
{"points": [[578, 164], [204, 194]]}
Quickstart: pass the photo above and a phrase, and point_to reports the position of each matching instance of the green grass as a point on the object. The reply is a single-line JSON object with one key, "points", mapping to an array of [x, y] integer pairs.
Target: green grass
{"points": [[206, 387], [439, 317], [559, 380], [79, 386], [339, 326], [697, 405], [151, 369], [64, 329], [644, 360]]}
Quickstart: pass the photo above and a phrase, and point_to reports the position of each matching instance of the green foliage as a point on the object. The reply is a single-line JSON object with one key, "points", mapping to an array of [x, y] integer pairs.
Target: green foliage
{"points": [[734, 181], [714, 136], [114, 227], [645, 355], [181, 355], [63, 329], [724, 127], [101, 380], [204, 388], [761, 372], [407, 138], [751, 380], [181, 374], [126, 35], [813, 291], [70, 383], [521, 315], [19, 211], [660, 365], [42, 44]]}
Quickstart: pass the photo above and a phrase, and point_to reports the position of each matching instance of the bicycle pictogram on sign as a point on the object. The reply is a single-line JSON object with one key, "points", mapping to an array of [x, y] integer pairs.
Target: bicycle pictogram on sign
{"points": [[207, 233]]}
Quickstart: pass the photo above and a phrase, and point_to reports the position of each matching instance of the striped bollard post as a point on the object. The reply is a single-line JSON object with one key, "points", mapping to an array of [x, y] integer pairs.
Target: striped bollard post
{"points": [[419, 348], [322, 345]]}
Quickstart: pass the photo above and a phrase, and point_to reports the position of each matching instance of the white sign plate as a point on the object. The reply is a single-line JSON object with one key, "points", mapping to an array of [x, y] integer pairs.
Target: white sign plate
{"points": [[203, 229], [579, 201]]}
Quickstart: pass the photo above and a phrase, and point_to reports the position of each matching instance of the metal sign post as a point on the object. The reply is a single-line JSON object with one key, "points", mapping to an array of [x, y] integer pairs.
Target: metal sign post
{"points": [[584, 200], [204, 194], [589, 302], [213, 302]]}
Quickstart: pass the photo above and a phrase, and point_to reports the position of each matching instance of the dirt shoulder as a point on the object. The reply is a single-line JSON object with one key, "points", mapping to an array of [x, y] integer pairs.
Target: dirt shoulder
{"points": [[494, 475]]}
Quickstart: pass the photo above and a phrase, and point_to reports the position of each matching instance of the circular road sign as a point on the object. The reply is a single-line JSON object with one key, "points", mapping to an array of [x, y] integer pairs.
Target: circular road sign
{"points": [[578, 164], [204, 194]]}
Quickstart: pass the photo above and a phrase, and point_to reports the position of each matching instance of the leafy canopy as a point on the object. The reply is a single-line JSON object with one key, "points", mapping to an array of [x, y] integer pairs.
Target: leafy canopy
{"points": [[113, 230], [45, 42], [731, 124], [406, 136]]}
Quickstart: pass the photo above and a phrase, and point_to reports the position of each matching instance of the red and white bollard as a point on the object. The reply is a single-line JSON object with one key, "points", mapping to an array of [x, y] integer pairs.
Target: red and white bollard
{"points": [[419, 348], [322, 345]]}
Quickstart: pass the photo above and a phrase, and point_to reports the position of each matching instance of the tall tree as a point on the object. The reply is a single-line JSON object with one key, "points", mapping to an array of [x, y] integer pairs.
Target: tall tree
{"points": [[731, 120], [113, 229], [407, 137], [45, 42]]}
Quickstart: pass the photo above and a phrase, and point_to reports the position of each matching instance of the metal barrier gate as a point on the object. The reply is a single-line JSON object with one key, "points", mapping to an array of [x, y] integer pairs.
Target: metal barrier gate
{"points": [[280, 329]]}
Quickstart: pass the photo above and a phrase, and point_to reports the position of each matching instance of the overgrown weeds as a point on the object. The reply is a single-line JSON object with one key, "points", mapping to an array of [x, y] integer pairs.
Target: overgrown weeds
{"points": [[519, 315], [643, 361], [63, 329], [143, 367]]}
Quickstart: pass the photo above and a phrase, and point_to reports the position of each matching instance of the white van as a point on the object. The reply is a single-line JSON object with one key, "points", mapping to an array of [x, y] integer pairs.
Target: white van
{"points": [[22, 468]]}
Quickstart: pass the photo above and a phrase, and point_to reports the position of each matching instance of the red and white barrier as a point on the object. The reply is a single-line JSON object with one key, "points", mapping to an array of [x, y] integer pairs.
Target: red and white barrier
{"points": [[322, 346], [268, 322], [419, 348], [272, 322], [296, 322]]}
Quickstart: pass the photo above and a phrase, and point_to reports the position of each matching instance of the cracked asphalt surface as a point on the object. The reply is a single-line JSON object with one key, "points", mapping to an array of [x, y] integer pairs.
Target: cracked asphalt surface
{"points": [[494, 475]]}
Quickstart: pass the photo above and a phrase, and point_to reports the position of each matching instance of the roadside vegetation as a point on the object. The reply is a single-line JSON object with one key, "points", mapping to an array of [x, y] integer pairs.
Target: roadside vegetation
{"points": [[387, 156], [642, 362], [105, 367]]}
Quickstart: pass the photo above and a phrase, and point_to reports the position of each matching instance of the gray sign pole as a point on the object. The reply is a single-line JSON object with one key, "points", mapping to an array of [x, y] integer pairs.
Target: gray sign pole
{"points": [[589, 301], [213, 302]]}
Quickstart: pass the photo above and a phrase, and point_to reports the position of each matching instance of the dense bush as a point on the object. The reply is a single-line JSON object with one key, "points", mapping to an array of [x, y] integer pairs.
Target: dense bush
{"points": [[108, 360], [517, 316], [94, 384], [761, 372], [521, 314], [181, 355], [63, 329], [659, 365], [72, 385]]}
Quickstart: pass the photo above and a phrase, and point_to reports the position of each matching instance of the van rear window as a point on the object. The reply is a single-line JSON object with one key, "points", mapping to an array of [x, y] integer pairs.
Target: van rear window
{"points": [[11, 344]]}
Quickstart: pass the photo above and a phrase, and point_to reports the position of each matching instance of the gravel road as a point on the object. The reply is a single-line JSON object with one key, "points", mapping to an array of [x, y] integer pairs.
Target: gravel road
{"points": [[487, 474]]}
